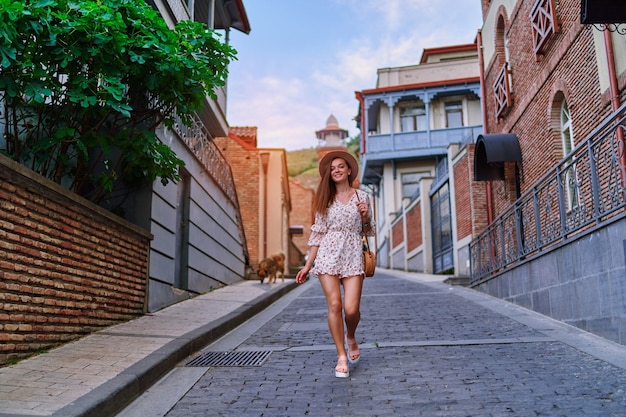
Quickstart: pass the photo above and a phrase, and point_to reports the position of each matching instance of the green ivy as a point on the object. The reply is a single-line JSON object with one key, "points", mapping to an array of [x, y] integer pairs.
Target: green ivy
{"points": [[85, 84]]}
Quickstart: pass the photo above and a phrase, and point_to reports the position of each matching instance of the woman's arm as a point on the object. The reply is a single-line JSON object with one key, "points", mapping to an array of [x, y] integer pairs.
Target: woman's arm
{"points": [[304, 272], [366, 215]]}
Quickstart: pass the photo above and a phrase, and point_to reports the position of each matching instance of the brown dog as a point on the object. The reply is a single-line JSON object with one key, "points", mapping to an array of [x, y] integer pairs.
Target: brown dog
{"points": [[279, 260], [267, 268]]}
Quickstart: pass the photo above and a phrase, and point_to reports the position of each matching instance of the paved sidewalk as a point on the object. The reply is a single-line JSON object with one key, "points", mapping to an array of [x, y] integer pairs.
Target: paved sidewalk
{"points": [[101, 373]]}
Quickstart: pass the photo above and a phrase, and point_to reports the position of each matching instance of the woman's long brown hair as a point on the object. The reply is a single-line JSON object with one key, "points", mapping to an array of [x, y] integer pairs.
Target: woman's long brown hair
{"points": [[327, 190]]}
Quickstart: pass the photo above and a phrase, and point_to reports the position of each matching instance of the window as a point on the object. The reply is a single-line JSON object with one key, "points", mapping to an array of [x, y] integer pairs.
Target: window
{"points": [[502, 91], [454, 114], [411, 184], [567, 138], [566, 129], [3, 138], [413, 118], [503, 84]]}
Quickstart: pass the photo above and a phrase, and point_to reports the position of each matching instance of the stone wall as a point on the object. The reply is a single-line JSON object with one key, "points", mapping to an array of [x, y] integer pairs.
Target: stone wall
{"points": [[582, 283]]}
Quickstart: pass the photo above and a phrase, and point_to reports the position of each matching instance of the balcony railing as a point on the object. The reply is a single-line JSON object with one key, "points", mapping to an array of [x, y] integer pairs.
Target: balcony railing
{"points": [[584, 191], [421, 140]]}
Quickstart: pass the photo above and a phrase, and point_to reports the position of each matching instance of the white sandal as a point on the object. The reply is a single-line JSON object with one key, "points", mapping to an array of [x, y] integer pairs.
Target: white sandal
{"points": [[356, 360], [340, 361]]}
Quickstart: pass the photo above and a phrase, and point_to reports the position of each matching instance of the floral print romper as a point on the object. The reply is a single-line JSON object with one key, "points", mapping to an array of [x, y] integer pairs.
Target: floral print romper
{"points": [[338, 236]]}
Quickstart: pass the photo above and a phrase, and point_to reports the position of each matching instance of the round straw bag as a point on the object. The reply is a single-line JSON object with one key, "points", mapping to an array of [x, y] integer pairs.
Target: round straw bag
{"points": [[369, 259]]}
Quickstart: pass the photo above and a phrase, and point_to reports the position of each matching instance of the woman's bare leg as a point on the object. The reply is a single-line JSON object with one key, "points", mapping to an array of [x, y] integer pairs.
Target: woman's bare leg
{"points": [[332, 291], [352, 287]]}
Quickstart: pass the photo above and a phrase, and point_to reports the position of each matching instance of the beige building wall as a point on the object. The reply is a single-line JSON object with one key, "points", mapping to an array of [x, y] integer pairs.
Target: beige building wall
{"points": [[262, 183], [275, 203], [433, 71]]}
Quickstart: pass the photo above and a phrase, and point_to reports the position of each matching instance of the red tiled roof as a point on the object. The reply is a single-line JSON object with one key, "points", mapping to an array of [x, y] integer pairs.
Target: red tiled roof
{"points": [[245, 133]]}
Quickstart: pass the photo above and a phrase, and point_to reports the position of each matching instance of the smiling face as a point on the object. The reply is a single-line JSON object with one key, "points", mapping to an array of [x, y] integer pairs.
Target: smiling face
{"points": [[339, 170]]}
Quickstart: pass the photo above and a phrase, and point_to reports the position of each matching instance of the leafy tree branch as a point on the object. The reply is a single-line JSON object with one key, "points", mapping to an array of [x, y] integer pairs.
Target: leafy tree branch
{"points": [[84, 85]]}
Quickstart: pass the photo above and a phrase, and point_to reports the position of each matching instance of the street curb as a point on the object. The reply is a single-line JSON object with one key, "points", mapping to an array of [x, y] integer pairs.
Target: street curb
{"points": [[116, 394]]}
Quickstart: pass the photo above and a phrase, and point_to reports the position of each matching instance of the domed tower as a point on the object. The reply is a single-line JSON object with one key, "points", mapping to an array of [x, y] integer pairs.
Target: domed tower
{"points": [[332, 136]]}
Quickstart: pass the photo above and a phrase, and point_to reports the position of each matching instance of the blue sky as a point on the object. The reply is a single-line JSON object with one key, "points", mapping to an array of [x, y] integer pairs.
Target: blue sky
{"points": [[304, 59]]}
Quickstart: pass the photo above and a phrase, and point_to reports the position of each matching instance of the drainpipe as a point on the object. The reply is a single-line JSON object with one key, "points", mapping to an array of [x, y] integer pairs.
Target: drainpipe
{"points": [[483, 101], [359, 97], [265, 156], [614, 89]]}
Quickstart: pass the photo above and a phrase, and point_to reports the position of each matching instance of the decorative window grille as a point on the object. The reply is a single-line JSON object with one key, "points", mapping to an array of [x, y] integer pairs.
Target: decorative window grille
{"points": [[502, 91], [544, 24]]}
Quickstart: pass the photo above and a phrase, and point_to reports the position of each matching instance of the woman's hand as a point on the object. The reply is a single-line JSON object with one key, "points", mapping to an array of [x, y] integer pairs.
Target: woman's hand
{"points": [[302, 275], [304, 272], [363, 209]]}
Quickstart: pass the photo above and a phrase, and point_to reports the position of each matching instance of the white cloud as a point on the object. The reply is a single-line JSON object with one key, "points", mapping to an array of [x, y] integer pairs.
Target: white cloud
{"points": [[393, 13], [283, 110], [289, 93]]}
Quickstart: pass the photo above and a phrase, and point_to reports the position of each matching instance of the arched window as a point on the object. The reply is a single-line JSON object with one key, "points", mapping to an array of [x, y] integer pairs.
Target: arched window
{"points": [[567, 135], [501, 41], [567, 140], [502, 86]]}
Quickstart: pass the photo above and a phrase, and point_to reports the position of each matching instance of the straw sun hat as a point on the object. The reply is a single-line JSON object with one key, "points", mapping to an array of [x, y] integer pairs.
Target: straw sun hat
{"points": [[330, 156]]}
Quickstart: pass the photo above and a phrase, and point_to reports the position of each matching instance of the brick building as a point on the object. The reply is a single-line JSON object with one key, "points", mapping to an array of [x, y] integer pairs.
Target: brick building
{"points": [[263, 191], [536, 200], [552, 160]]}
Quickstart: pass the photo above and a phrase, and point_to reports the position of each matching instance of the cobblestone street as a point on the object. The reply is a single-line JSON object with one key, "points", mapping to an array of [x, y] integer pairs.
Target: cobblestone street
{"points": [[427, 350]]}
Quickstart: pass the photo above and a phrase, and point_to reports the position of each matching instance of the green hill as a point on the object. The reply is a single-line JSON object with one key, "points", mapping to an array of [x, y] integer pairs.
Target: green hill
{"points": [[302, 164], [301, 161], [302, 167]]}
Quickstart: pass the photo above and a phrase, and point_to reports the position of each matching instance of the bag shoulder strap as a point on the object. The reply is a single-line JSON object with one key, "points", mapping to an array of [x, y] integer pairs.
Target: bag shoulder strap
{"points": [[365, 241]]}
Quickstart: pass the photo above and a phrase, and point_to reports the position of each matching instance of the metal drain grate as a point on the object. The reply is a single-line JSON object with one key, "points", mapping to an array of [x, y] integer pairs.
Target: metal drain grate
{"points": [[230, 359]]}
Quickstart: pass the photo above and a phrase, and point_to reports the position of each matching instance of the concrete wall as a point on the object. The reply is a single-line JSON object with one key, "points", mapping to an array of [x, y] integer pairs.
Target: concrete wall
{"points": [[582, 283], [206, 250]]}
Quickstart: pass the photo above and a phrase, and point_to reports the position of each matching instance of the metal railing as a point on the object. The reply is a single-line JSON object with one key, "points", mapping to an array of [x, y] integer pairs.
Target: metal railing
{"points": [[584, 190], [198, 139], [407, 141]]}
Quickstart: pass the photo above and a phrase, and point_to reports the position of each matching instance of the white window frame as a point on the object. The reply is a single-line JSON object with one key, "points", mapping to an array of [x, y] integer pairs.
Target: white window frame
{"points": [[567, 141]]}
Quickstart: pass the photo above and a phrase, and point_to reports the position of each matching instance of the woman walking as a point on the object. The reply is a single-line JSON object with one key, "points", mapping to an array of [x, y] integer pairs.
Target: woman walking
{"points": [[342, 217]]}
